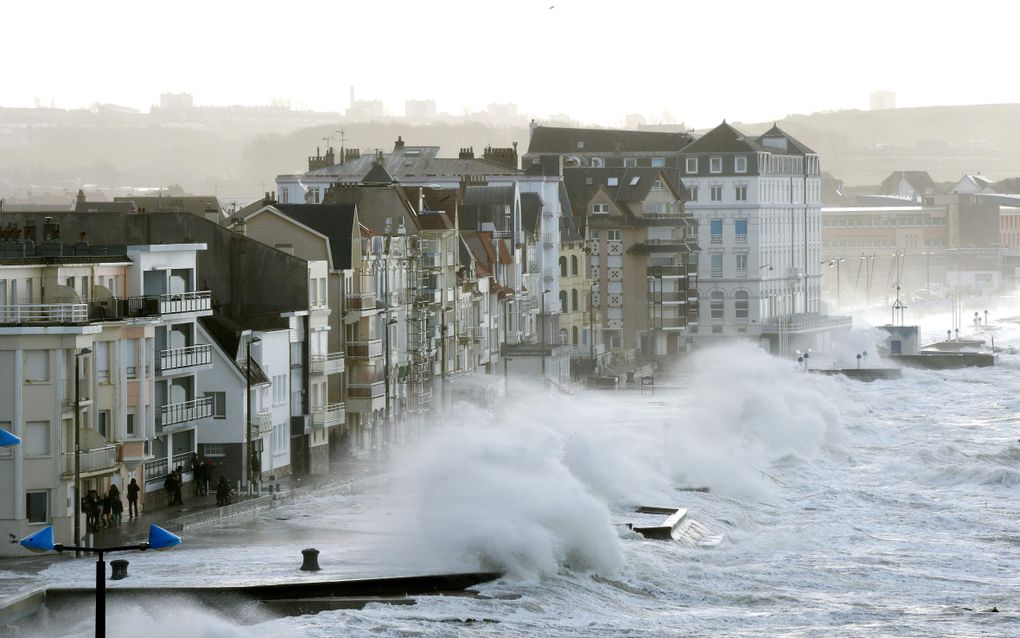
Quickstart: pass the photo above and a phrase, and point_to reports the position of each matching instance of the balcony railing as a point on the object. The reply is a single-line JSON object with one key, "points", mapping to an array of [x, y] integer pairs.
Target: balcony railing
{"points": [[44, 314], [185, 411], [364, 349], [361, 300], [172, 304], [549, 239], [186, 357], [95, 460], [366, 390], [668, 296], [742, 272], [716, 272], [742, 238], [429, 295], [677, 270], [715, 238], [325, 364], [262, 423], [329, 415]]}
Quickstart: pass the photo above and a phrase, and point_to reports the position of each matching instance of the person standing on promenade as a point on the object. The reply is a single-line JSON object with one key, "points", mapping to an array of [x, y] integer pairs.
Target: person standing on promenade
{"points": [[132, 496]]}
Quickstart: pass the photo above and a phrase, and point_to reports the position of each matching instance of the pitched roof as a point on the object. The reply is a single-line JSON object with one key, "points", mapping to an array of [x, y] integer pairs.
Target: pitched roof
{"points": [[413, 161], [195, 204], [920, 181], [632, 185], [553, 139], [336, 222], [726, 139], [227, 335], [378, 205], [377, 175], [790, 143], [531, 210]]}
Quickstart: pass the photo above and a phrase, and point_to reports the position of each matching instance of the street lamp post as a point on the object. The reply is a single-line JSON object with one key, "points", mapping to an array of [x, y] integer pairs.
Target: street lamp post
{"points": [[386, 368], [542, 334], [77, 448], [246, 462], [42, 541], [835, 262]]}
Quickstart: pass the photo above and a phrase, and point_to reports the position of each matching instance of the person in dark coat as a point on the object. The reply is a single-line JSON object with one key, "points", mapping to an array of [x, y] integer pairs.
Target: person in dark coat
{"points": [[222, 491], [107, 501], [90, 505], [170, 486], [196, 475], [132, 497], [116, 505]]}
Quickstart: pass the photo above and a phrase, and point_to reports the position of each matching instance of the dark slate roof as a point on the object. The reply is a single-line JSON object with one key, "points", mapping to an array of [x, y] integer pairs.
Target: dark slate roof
{"points": [[336, 222], [489, 195], [414, 161], [486, 204], [227, 335], [793, 146], [553, 139], [726, 139], [377, 175], [376, 204], [580, 191], [195, 204]]}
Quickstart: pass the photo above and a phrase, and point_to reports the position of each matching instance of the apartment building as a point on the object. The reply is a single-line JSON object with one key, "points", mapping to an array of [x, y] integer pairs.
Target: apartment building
{"points": [[97, 344]]}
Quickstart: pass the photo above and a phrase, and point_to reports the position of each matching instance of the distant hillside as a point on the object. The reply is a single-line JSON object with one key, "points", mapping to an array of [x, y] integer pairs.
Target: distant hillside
{"points": [[863, 147]]}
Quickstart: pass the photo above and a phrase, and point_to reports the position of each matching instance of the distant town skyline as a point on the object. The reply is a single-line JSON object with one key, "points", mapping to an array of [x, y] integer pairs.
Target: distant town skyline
{"points": [[594, 61]]}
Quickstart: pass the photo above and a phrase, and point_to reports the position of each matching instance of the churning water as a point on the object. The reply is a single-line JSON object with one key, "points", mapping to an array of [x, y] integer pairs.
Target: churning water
{"points": [[847, 509]]}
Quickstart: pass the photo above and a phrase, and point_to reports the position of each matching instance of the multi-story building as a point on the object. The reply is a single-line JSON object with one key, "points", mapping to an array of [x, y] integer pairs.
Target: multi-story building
{"points": [[97, 347], [758, 208], [639, 242]]}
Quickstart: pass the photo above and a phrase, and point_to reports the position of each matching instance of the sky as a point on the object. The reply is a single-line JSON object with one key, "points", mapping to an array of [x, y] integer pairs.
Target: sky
{"points": [[696, 62]]}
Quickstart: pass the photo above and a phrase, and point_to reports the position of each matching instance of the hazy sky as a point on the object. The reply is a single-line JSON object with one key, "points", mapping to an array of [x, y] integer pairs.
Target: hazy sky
{"points": [[595, 60]]}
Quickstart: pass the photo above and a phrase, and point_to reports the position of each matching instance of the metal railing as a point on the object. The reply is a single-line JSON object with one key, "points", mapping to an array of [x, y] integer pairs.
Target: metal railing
{"points": [[549, 239], [365, 349], [715, 238], [156, 469], [262, 423], [742, 238], [186, 357], [329, 414], [668, 296], [185, 411], [332, 363], [666, 271], [171, 304], [716, 272], [58, 313], [804, 322], [94, 460]]}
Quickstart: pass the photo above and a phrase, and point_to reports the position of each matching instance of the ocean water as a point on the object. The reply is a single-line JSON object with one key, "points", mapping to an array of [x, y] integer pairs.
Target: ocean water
{"points": [[847, 509]]}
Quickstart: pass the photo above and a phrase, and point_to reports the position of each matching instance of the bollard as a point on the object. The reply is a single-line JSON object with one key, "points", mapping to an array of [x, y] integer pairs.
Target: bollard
{"points": [[311, 560], [119, 569]]}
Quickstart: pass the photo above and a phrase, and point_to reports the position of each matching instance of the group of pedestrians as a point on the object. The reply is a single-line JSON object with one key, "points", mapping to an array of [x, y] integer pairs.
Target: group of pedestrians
{"points": [[106, 510]]}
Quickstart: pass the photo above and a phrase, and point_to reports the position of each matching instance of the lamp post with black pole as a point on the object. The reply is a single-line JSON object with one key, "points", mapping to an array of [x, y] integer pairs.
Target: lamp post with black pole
{"points": [[42, 541], [77, 447], [386, 371], [246, 463], [541, 327]]}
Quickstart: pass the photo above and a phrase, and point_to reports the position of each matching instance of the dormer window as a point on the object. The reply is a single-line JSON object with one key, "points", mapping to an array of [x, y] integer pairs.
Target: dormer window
{"points": [[715, 165], [613, 181], [597, 162], [634, 180], [600, 209]]}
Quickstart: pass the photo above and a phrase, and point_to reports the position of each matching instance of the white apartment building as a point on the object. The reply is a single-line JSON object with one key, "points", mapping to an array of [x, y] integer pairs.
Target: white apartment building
{"points": [[126, 324], [757, 201]]}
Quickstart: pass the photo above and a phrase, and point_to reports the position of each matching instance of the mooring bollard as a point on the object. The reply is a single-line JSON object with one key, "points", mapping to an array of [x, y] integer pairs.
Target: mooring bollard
{"points": [[311, 560], [119, 569]]}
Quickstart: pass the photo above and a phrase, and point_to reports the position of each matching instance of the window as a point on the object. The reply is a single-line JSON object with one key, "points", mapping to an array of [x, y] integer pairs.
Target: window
{"points": [[103, 423], [613, 234], [37, 438], [597, 162], [573, 335], [693, 190], [741, 264], [715, 165], [563, 301], [657, 185], [322, 291], [102, 361], [741, 192], [131, 425], [573, 302], [279, 389], [634, 180], [691, 165], [593, 235], [600, 209], [717, 265], [740, 164], [658, 162], [37, 366], [580, 143], [563, 266], [573, 265], [37, 506], [280, 438], [283, 195], [219, 404], [613, 181], [630, 162], [716, 193], [715, 230], [214, 449], [740, 304], [130, 354], [741, 231], [716, 306]]}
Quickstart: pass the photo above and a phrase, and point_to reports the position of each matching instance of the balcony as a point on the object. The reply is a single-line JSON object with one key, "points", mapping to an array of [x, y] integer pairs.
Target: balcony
{"points": [[185, 411], [44, 314], [715, 238], [361, 301], [179, 359], [326, 364], [92, 461], [742, 273], [329, 415], [157, 469], [175, 304], [549, 239], [741, 238], [429, 295], [365, 349], [716, 272], [366, 390], [262, 423], [156, 305], [670, 323], [668, 297], [432, 260], [669, 270]]}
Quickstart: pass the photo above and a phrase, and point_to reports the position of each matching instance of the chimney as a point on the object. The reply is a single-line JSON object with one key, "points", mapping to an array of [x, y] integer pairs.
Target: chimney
{"points": [[79, 202], [399, 143], [467, 153]]}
